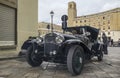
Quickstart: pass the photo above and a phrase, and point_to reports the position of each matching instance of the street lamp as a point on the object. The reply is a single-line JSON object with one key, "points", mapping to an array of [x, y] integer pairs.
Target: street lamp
{"points": [[52, 14]]}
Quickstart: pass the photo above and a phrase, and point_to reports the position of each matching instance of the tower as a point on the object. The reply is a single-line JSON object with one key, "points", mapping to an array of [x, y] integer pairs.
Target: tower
{"points": [[72, 13]]}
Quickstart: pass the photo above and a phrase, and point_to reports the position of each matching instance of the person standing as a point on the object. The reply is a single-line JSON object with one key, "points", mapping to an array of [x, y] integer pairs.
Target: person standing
{"points": [[105, 43], [112, 42]]}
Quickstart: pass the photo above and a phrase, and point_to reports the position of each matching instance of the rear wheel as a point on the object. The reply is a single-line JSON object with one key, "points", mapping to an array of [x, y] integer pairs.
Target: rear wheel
{"points": [[100, 56], [32, 58], [75, 59]]}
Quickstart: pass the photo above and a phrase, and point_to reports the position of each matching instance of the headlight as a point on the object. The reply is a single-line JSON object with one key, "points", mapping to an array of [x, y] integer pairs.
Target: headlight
{"points": [[38, 40], [59, 39]]}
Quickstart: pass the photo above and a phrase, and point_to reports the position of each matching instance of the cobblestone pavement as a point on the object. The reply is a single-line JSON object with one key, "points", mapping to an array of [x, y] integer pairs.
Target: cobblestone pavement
{"points": [[108, 68]]}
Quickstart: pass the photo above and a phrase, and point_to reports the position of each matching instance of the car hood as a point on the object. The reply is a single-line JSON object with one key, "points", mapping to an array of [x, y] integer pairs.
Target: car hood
{"points": [[66, 36]]}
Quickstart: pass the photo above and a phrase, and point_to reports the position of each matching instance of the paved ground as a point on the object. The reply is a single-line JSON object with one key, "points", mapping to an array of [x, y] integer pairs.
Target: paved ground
{"points": [[8, 54], [108, 68]]}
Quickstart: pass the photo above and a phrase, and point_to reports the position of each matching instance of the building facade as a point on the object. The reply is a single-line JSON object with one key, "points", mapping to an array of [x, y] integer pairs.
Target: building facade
{"points": [[42, 28], [107, 21], [18, 21]]}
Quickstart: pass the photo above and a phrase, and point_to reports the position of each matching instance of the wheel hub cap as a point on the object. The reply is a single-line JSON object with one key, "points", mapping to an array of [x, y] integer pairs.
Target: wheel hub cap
{"points": [[36, 51], [80, 60]]}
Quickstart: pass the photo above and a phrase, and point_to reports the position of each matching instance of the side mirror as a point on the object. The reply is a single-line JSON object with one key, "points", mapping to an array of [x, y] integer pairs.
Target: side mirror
{"points": [[64, 19]]}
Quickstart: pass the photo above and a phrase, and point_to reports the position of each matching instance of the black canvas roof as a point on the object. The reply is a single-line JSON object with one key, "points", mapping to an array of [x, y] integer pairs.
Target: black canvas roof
{"points": [[94, 32]]}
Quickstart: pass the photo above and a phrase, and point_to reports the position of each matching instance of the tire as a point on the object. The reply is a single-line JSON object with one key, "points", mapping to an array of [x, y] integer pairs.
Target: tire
{"points": [[100, 56], [32, 58], [75, 60]]}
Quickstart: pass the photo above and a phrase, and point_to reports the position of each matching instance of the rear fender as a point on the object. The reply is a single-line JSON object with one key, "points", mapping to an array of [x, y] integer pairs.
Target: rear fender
{"points": [[97, 48]]}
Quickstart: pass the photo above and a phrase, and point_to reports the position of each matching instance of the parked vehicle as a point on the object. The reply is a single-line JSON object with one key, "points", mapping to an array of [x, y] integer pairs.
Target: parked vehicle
{"points": [[70, 49]]}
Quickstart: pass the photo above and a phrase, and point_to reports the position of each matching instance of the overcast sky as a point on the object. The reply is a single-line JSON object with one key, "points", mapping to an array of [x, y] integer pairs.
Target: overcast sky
{"points": [[84, 7]]}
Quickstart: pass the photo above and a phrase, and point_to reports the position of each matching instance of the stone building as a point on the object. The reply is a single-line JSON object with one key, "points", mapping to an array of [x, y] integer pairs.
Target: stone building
{"points": [[18, 21], [107, 21], [42, 28]]}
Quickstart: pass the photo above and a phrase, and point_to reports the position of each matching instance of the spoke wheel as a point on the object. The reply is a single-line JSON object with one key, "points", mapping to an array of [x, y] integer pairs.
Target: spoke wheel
{"points": [[32, 58], [75, 60]]}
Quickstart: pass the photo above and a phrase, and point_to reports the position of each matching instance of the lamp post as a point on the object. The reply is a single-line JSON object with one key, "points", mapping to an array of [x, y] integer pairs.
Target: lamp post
{"points": [[52, 14], [100, 31]]}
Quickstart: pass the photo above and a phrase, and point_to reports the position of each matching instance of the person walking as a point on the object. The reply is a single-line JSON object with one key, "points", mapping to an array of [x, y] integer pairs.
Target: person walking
{"points": [[112, 42], [105, 43]]}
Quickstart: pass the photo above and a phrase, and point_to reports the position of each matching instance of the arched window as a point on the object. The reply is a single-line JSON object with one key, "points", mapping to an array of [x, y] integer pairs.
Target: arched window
{"points": [[103, 28], [108, 22], [103, 17], [70, 5], [80, 21], [108, 33], [76, 22]]}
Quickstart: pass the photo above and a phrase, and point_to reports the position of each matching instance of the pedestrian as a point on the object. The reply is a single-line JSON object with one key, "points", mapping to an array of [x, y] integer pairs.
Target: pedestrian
{"points": [[105, 43], [111, 42], [119, 42]]}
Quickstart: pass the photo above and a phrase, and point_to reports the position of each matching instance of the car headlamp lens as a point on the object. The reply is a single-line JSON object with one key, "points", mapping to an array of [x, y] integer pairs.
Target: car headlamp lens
{"points": [[59, 39]]}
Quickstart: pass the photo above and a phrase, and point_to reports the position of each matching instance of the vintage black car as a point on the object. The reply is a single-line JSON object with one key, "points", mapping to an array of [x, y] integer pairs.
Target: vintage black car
{"points": [[71, 49]]}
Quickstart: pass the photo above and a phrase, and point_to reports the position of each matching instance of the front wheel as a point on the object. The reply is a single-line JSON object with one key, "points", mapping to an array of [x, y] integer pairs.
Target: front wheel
{"points": [[75, 60], [32, 58]]}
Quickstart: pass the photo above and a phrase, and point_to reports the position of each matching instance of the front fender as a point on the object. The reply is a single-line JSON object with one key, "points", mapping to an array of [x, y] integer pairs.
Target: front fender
{"points": [[72, 41], [25, 46], [27, 43], [76, 42]]}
